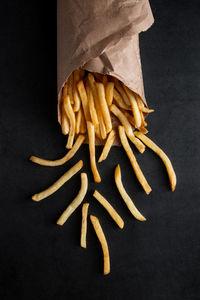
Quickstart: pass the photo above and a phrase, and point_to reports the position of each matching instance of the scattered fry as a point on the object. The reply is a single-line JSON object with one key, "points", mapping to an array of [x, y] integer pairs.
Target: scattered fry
{"points": [[52, 163], [91, 137], [84, 224], [147, 141], [112, 212], [103, 242], [64, 178], [133, 161], [107, 146], [118, 180], [76, 202]]}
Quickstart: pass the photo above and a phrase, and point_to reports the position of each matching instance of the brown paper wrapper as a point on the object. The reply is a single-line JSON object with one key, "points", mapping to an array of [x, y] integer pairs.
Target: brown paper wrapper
{"points": [[101, 36]]}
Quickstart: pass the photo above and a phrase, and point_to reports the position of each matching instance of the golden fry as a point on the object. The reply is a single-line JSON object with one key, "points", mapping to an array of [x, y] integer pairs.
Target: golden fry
{"points": [[52, 163], [147, 110], [129, 130], [171, 173], [109, 93], [83, 128], [78, 122], [84, 100], [103, 242], [120, 101], [107, 146], [122, 92], [91, 138], [129, 203], [135, 109], [133, 161], [112, 212], [64, 178], [84, 224], [64, 122], [76, 202], [143, 130], [104, 107], [98, 107], [92, 108], [70, 113]]}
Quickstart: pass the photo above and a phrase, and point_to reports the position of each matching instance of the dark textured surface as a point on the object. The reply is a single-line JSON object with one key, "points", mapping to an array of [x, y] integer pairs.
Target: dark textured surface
{"points": [[158, 259]]}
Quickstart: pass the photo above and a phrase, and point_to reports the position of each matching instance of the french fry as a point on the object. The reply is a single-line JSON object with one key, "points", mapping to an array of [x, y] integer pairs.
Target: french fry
{"points": [[120, 101], [92, 108], [64, 178], [76, 202], [84, 224], [107, 146], [98, 107], [170, 170], [147, 110], [91, 138], [64, 122], [76, 97], [130, 118], [143, 130], [129, 203], [104, 107], [84, 100], [143, 123], [109, 92], [83, 128], [70, 113], [122, 92], [78, 122], [129, 130], [135, 109], [133, 161], [112, 212], [52, 163], [99, 232]]}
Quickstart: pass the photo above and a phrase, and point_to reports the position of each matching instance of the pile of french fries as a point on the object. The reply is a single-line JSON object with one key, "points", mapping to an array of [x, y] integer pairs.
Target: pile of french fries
{"points": [[90, 103]]}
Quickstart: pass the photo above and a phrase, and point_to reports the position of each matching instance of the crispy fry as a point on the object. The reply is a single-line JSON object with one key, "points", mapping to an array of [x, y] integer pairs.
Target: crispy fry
{"points": [[76, 202], [129, 130], [92, 108], [109, 93], [171, 173], [143, 123], [120, 101], [143, 130], [104, 107], [140, 103], [78, 122], [84, 224], [107, 146], [76, 97], [103, 242], [64, 122], [135, 109], [122, 92], [91, 137], [98, 107], [133, 161], [112, 212], [129, 203], [84, 100], [83, 128], [52, 163], [64, 178], [129, 117], [70, 113], [65, 91], [147, 110]]}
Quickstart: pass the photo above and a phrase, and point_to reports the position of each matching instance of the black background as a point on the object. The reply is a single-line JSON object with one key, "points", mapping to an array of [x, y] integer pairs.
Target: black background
{"points": [[157, 259]]}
